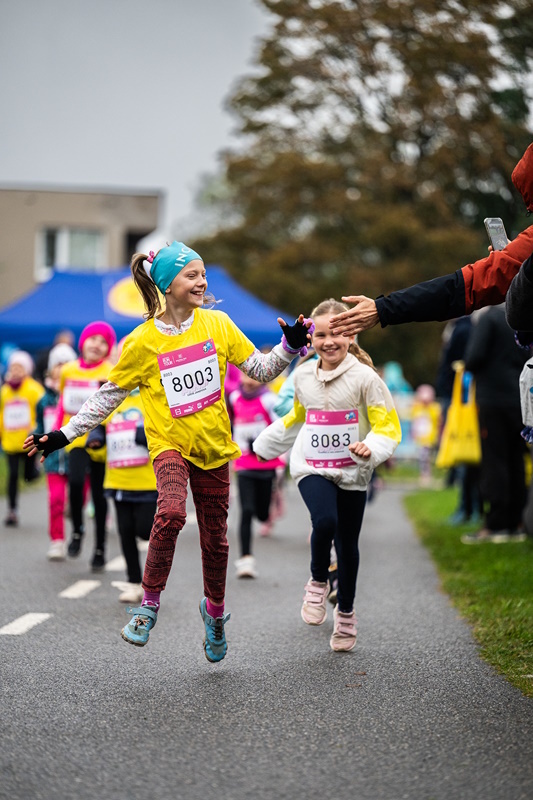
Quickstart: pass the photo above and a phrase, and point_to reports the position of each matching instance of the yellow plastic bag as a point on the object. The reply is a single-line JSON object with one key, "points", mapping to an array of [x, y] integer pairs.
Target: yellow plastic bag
{"points": [[460, 441]]}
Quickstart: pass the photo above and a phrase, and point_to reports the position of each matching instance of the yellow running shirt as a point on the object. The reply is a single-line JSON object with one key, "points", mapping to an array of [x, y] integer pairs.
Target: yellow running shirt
{"points": [[18, 413], [77, 384], [128, 466], [181, 387]]}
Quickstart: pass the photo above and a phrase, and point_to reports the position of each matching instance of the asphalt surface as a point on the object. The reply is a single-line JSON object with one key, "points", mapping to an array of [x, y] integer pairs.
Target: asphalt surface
{"points": [[412, 712]]}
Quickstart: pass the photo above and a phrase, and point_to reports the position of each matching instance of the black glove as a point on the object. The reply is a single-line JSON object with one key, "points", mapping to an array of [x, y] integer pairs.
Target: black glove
{"points": [[140, 436], [296, 335], [56, 440], [96, 438]]}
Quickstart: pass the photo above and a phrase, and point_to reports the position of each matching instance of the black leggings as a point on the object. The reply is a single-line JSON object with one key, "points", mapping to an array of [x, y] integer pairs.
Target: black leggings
{"points": [[80, 464], [134, 519], [13, 469], [337, 516], [255, 493]]}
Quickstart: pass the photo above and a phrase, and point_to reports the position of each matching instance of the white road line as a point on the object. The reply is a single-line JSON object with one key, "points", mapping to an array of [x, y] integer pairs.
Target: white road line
{"points": [[142, 546], [120, 585], [191, 518], [79, 589], [117, 564], [23, 624]]}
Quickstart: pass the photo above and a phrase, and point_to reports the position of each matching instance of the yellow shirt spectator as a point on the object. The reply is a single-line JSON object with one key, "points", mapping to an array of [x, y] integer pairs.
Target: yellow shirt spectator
{"points": [[18, 413]]}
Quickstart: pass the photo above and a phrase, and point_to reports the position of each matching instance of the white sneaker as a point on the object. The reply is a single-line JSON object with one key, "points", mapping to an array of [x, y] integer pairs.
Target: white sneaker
{"points": [[134, 593], [57, 550], [246, 567]]}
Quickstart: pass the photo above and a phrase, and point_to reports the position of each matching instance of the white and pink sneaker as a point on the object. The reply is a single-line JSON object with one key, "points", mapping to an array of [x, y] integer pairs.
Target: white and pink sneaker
{"points": [[344, 631], [314, 606]]}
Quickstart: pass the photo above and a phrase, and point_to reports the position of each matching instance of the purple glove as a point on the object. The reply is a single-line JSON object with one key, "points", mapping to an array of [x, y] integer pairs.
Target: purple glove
{"points": [[294, 339], [524, 339], [527, 434]]}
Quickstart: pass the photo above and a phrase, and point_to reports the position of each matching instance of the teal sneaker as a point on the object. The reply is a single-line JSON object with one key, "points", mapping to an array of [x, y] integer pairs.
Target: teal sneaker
{"points": [[215, 645], [138, 628]]}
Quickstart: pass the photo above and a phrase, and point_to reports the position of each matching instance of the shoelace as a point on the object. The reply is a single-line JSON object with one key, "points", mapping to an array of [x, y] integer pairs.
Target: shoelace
{"points": [[140, 622], [218, 629]]}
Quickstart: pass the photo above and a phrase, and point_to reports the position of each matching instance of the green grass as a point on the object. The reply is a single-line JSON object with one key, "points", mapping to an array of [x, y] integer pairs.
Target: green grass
{"points": [[400, 470], [490, 584]]}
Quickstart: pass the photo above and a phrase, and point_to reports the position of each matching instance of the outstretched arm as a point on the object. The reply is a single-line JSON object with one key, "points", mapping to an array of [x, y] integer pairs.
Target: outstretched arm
{"points": [[438, 299], [483, 283], [97, 408], [264, 367]]}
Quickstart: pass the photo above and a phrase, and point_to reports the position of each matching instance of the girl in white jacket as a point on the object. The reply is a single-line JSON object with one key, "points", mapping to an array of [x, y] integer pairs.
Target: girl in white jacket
{"points": [[342, 426]]}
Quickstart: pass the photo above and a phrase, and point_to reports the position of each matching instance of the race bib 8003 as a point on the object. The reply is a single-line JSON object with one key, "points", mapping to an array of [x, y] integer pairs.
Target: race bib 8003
{"points": [[190, 378]]}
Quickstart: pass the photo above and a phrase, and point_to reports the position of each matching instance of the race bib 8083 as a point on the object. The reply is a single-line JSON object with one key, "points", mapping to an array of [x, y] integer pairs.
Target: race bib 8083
{"points": [[327, 437]]}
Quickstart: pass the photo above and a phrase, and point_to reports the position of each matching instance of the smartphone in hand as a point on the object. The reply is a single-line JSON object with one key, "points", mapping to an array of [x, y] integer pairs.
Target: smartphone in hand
{"points": [[496, 232]]}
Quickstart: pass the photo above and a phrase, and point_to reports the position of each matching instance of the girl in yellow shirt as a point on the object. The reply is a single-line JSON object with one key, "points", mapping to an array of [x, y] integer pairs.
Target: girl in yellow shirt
{"points": [[18, 402], [178, 359], [79, 380]]}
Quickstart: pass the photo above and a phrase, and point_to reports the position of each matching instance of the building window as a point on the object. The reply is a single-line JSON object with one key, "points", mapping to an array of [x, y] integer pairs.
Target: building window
{"points": [[50, 248], [80, 249]]}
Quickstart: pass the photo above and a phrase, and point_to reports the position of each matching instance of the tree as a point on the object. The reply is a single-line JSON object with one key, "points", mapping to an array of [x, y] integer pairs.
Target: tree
{"points": [[377, 136]]}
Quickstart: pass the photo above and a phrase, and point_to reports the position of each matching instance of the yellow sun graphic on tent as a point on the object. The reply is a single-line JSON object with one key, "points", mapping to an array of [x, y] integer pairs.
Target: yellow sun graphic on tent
{"points": [[124, 298]]}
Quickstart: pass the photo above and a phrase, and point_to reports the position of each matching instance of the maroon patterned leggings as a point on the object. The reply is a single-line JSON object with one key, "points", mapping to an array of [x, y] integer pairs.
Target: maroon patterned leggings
{"points": [[210, 491]]}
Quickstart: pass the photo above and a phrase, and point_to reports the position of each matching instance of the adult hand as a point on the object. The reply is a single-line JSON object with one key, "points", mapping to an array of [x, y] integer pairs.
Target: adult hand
{"points": [[360, 449], [360, 318]]}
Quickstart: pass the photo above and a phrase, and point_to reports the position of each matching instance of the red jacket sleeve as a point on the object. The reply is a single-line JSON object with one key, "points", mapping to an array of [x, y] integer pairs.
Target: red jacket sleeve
{"points": [[486, 281], [483, 283]]}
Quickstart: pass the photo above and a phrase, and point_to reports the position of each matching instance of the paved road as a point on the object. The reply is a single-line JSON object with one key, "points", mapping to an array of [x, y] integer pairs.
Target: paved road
{"points": [[412, 712]]}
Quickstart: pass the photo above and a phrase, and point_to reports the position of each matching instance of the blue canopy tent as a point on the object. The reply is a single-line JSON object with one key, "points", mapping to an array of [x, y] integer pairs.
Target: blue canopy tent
{"points": [[73, 299]]}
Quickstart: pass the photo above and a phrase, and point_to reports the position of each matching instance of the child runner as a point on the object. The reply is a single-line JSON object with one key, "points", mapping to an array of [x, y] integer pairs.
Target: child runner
{"points": [[19, 396], [425, 426], [342, 426], [251, 407], [79, 380], [130, 481], [56, 466], [178, 360]]}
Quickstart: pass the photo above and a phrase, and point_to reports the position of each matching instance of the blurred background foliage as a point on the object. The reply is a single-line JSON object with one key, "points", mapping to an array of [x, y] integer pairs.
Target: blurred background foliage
{"points": [[376, 135]]}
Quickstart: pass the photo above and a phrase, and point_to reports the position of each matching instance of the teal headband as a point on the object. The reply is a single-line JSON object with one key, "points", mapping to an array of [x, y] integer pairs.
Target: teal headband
{"points": [[168, 262]]}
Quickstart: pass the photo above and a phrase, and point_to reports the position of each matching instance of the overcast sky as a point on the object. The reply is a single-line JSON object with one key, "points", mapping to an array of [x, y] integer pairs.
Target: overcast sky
{"points": [[121, 93]]}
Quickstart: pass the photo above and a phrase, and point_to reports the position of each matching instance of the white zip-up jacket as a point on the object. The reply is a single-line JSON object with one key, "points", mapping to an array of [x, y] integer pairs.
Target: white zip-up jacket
{"points": [[352, 385]]}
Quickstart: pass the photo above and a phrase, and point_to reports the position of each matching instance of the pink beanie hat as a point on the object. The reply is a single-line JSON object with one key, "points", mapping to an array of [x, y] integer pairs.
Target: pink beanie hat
{"points": [[98, 328]]}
